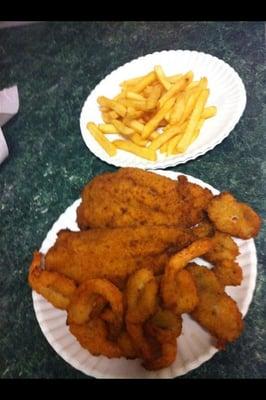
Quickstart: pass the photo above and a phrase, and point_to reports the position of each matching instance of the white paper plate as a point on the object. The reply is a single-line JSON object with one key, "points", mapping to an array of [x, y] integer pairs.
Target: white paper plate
{"points": [[195, 346], [227, 93]]}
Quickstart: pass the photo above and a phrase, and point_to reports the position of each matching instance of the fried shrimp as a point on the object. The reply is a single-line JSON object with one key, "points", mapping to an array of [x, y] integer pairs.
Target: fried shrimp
{"points": [[178, 291], [93, 336], [141, 300], [83, 301], [231, 216], [53, 286]]}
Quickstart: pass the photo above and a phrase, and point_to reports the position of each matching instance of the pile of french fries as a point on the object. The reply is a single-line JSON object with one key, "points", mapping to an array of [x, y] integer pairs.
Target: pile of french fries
{"points": [[154, 112]]}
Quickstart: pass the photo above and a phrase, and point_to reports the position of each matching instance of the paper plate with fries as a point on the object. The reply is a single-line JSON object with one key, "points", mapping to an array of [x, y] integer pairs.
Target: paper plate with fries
{"points": [[162, 109]]}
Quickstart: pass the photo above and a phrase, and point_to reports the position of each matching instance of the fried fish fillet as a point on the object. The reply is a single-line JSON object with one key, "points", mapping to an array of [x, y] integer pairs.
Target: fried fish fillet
{"points": [[132, 197], [216, 311], [230, 216], [115, 253]]}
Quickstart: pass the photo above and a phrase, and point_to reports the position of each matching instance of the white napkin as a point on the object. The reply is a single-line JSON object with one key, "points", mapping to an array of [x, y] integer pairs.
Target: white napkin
{"points": [[9, 105]]}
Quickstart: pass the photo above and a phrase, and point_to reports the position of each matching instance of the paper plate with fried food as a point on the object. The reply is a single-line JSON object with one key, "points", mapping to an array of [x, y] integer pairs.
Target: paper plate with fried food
{"points": [[130, 288], [162, 109]]}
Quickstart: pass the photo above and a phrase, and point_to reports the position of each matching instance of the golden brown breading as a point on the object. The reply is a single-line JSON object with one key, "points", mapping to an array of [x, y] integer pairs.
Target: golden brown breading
{"points": [[224, 248], [131, 197], [231, 216], [114, 253], [228, 272], [216, 311]]}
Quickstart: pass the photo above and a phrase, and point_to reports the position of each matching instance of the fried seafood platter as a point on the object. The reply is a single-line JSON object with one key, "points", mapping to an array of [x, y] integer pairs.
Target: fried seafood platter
{"points": [[137, 266]]}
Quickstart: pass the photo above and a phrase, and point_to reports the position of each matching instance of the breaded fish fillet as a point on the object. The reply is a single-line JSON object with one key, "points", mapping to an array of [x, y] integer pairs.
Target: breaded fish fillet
{"points": [[216, 311], [115, 253], [132, 197]]}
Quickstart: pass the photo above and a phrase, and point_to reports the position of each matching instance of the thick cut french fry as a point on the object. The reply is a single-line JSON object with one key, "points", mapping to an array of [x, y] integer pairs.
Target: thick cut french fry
{"points": [[114, 105], [165, 136], [177, 87], [135, 149], [209, 112], [178, 109], [172, 143], [161, 77], [101, 139], [121, 128], [107, 128], [147, 80], [192, 123], [154, 122]]}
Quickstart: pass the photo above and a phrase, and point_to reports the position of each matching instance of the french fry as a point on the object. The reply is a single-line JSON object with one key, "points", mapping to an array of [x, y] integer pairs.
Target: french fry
{"points": [[178, 109], [191, 98], [161, 77], [114, 105], [133, 96], [177, 87], [194, 119], [163, 148], [135, 149], [133, 81], [153, 98], [121, 128], [107, 128], [132, 113], [136, 125], [147, 80], [165, 136], [148, 103], [137, 139], [174, 78], [101, 139], [113, 114], [154, 122], [209, 112], [136, 104], [193, 84], [172, 143]]}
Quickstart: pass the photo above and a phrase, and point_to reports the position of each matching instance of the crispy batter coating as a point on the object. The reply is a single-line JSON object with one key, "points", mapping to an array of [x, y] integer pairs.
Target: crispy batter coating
{"points": [[126, 345], [178, 291], [114, 253], [231, 216], [93, 336], [162, 330], [131, 197], [228, 272], [54, 287], [216, 311], [82, 302], [224, 248], [141, 300], [204, 229], [141, 296]]}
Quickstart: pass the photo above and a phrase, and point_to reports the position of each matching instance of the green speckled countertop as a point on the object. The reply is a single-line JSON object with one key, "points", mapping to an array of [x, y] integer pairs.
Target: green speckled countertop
{"points": [[55, 66]]}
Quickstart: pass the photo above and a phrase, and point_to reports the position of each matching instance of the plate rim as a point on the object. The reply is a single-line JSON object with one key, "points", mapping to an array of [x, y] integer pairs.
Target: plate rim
{"points": [[165, 163], [193, 364]]}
